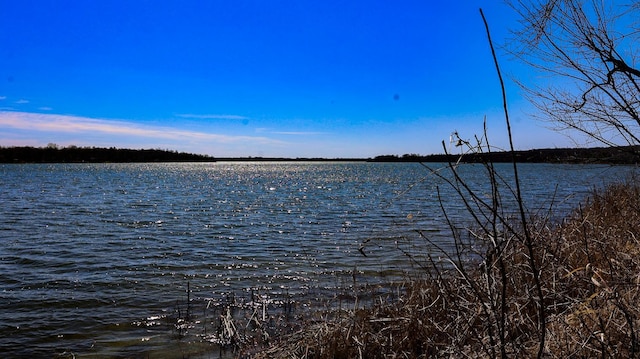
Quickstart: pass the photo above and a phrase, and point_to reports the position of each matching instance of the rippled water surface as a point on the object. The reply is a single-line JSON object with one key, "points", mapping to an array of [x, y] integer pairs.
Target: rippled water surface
{"points": [[93, 256]]}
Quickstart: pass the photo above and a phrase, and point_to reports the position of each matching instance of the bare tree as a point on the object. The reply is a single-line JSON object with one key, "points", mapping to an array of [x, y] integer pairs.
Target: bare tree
{"points": [[586, 52]]}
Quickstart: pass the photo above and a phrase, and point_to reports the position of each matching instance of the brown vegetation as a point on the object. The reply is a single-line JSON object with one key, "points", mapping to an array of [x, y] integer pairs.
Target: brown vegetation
{"points": [[514, 286], [589, 274]]}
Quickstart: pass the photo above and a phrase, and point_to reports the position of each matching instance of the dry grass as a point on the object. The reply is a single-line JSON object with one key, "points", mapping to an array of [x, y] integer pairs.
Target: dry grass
{"points": [[514, 286], [597, 267], [589, 273]]}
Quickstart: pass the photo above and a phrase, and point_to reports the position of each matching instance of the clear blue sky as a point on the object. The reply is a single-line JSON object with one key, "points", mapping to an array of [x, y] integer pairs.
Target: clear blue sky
{"points": [[257, 78]]}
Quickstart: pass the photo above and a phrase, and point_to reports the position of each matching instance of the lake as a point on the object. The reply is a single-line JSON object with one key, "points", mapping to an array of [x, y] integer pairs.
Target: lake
{"points": [[96, 259]]}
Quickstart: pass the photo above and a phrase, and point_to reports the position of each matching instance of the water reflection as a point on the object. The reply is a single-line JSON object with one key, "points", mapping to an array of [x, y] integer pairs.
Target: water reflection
{"points": [[96, 258]]}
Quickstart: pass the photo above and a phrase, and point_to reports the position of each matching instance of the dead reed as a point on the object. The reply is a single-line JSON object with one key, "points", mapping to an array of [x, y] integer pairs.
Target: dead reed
{"points": [[595, 273], [514, 285], [589, 272]]}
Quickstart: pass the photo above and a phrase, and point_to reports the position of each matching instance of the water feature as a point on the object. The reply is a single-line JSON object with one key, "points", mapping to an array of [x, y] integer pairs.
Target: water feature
{"points": [[95, 259]]}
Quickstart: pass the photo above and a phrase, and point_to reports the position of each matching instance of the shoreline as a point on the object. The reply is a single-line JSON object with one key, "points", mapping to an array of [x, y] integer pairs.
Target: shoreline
{"points": [[599, 155]]}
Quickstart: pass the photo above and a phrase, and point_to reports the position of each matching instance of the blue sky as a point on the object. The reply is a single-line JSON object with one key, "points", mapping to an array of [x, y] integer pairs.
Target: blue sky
{"points": [[257, 78]]}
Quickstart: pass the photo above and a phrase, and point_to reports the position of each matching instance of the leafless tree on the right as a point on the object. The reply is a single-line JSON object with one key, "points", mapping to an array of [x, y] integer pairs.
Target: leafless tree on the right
{"points": [[587, 55]]}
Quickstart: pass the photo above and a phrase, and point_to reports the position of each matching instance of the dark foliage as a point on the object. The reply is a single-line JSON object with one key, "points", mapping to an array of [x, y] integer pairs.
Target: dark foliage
{"points": [[54, 154], [612, 155]]}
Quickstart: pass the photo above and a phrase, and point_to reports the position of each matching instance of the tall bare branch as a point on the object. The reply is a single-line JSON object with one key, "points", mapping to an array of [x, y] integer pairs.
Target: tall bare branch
{"points": [[587, 50]]}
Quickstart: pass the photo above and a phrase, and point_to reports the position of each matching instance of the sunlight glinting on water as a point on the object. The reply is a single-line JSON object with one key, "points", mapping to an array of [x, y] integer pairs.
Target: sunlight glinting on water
{"points": [[93, 256]]}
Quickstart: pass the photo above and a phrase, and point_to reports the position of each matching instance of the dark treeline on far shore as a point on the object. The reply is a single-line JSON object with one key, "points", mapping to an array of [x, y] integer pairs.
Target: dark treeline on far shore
{"points": [[611, 155], [70, 154], [73, 154]]}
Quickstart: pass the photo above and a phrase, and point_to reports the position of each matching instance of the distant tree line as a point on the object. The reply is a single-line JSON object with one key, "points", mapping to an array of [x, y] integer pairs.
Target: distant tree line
{"points": [[54, 154], [611, 155], [73, 154]]}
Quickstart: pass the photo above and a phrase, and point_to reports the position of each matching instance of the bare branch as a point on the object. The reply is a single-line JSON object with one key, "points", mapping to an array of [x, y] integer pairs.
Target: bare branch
{"points": [[588, 52]]}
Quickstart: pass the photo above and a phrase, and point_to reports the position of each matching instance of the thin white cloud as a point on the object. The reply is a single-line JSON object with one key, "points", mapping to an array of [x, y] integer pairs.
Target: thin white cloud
{"points": [[99, 127], [289, 133], [22, 101], [212, 117], [3, 98], [45, 108], [298, 133]]}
